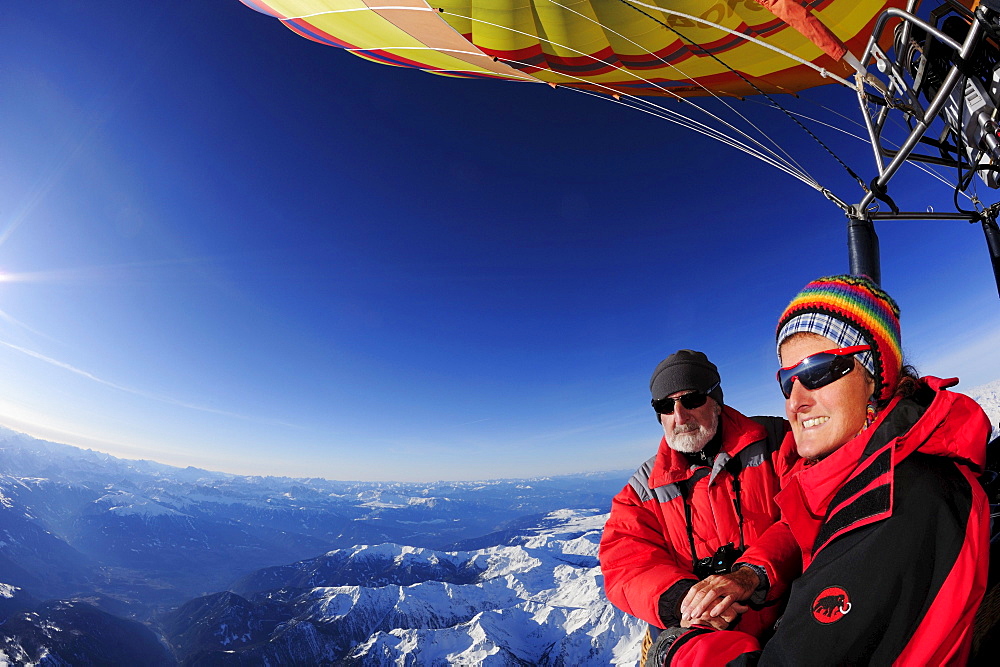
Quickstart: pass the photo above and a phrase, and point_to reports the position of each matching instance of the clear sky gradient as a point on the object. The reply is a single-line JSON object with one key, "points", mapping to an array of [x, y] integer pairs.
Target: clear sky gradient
{"points": [[225, 246]]}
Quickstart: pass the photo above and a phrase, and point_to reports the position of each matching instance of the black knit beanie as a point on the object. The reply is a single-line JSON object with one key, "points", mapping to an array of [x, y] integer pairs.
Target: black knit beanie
{"points": [[685, 370]]}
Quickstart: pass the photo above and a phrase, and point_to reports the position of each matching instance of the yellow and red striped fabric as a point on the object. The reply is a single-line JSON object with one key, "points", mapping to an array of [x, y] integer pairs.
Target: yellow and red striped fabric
{"points": [[610, 46]]}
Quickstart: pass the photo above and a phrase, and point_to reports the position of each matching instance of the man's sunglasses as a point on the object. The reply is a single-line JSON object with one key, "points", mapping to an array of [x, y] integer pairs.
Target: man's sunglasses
{"points": [[820, 369], [696, 399]]}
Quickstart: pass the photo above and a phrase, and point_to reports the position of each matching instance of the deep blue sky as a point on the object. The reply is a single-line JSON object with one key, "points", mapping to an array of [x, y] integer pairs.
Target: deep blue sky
{"points": [[226, 246]]}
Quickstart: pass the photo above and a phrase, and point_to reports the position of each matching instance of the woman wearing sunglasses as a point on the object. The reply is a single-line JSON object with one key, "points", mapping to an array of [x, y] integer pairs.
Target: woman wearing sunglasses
{"points": [[880, 497]]}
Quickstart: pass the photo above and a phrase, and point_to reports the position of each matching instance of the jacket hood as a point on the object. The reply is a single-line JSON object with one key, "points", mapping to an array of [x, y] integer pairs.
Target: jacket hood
{"points": [[954, 414]]}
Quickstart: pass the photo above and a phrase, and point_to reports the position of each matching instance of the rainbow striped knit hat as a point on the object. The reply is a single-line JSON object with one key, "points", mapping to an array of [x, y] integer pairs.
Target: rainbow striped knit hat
{"points": [[851, 310]]}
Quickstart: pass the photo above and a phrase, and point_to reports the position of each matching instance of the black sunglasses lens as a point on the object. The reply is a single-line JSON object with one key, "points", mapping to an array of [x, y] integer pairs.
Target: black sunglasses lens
{"points": [[816, 371], [692, 401], [786, 382], [665, 406], [840, 367]]}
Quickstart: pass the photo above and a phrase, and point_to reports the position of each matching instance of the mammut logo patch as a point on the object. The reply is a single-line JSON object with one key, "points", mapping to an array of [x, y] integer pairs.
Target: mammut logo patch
{"points": [[831, 605]]}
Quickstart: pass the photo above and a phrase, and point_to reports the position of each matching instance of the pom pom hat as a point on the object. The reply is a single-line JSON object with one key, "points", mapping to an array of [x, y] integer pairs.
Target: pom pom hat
{"points": [[850, 310]]}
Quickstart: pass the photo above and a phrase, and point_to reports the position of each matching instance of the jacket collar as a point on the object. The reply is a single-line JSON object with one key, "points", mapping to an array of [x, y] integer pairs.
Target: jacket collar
{"points": [[738, 432], [810, 489], [818, 482]]}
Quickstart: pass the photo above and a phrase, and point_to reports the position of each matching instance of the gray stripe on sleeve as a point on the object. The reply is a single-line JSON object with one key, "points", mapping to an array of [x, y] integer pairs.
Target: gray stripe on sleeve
{"points": [[640, 484]]}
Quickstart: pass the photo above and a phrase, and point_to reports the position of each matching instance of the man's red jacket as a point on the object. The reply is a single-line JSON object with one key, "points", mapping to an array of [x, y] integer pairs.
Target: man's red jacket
{"points": [[646, 547]]}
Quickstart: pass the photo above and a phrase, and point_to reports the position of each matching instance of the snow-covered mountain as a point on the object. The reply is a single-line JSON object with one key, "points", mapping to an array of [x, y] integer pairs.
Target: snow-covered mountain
{"points": [[536, 601], [96, 520], [98, 556], [988, 396]]}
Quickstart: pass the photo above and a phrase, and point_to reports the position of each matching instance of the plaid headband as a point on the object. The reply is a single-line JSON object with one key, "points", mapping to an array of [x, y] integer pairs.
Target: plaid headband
{"points": [[851, 310]]}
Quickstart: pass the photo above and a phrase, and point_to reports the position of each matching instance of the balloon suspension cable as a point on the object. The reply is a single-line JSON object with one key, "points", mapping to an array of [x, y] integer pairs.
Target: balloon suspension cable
{"points": [[785, 162], [649, 107], [770, 157], [708, 131], [788, 157], [916, 165], [633, 4]]}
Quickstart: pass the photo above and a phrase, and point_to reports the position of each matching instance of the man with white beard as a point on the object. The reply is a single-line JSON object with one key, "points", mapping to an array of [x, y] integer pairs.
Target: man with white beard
{"points": [[695, 506]]}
